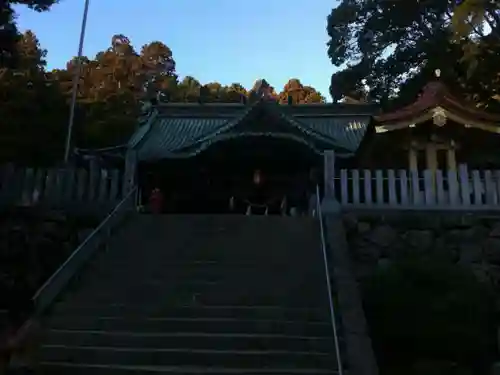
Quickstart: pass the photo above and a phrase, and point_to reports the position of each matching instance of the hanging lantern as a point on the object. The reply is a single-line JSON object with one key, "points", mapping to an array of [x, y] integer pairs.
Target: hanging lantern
{"points": [[257, 177]]}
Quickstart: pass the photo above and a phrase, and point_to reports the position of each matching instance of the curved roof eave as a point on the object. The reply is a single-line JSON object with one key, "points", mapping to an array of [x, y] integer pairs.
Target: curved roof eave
{"points": [[143, 130]]}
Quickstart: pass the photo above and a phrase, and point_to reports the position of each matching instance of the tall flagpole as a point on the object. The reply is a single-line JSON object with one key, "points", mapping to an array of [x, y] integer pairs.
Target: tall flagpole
{"points": [[76, 78]]}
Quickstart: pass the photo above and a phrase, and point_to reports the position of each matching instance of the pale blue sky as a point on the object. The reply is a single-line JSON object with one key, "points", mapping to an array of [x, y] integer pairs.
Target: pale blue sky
{"points": [[213, 40]]}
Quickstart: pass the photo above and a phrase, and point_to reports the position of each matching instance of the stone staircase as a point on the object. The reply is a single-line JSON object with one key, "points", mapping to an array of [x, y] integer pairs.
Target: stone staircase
{"points": [[197, 295]]}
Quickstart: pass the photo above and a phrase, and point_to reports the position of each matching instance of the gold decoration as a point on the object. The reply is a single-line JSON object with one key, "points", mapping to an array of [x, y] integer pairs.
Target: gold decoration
{"points": [[439, 117]]}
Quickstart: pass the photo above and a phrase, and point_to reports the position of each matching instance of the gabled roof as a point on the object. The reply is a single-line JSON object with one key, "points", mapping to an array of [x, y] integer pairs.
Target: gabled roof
{"points": [[176, 130], [437, 103]]}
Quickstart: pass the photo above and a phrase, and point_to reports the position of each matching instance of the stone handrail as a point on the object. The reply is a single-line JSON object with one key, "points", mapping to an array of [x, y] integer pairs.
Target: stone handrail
{"points": [[319, 214]]}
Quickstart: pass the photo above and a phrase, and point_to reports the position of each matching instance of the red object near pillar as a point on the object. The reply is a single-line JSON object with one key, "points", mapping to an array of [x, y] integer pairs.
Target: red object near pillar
{"points": [[156, 201]]}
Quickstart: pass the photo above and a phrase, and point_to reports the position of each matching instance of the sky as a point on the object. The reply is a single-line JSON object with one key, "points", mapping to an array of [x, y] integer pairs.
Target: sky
{"points": [[212, 40]]}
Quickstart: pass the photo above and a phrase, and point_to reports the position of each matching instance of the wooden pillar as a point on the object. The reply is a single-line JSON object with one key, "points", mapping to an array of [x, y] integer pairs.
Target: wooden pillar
{"points": [[451, 158], [431, 156], [329, 173], [129, 176], [412, 158]]}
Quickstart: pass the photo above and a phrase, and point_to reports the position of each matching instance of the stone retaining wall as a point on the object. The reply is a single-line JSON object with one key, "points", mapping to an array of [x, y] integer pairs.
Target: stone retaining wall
{"points": [[34, 243], [470, 240]]}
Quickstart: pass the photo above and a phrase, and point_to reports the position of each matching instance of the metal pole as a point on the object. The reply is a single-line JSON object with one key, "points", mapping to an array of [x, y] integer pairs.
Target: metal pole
{"points": [[76, 78]]}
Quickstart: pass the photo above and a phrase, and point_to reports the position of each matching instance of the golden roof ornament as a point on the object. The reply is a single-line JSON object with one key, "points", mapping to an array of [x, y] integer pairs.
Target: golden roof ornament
{"points": [[439, 116]]}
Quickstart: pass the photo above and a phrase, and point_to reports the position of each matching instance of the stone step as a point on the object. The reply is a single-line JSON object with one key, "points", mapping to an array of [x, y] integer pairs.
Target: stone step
{"points": [[213, 258], [228, 250], [218, 288], [64, 368], [185, 296], [269, 312], [161, 340], [197, 294], [134, 271], [190, 357], [202, 292], [190, 325]]}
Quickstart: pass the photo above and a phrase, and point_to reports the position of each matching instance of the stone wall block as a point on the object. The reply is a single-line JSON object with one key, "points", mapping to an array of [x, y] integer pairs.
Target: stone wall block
{"points": [[491, 250]]}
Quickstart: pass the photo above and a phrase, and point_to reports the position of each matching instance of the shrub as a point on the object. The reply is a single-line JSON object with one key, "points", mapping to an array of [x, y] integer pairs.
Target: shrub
{"points": [[424, 310]]}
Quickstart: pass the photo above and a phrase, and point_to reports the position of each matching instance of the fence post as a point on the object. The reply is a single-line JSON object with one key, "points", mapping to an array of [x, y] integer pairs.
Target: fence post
{"points": [[441, 198], [391, 177], [130, 171], [93, 179], [379, 185], [478, 188], [355, 186], [103, 186], [367, 181], [69, 193], [429, 187], [28, 187], [344, 186], [491, 193], [115, 180], [38, 189], [464, 184], [329, 173], [403, 186], [453, 188]]}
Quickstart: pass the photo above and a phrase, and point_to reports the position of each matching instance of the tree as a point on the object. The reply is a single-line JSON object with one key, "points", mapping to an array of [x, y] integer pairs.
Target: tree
{"points": [[215, 92], [109, 92], [395, 46], [9, 35], [34, 106], [471, 16], [476, 26], [188, 90], [262, 90], [299, 93], [236, 93], [158, 71]]}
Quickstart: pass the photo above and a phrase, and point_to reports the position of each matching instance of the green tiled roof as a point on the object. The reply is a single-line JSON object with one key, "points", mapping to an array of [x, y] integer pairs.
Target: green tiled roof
{"points": [[185, 130], [346, 131], [170, 135]]}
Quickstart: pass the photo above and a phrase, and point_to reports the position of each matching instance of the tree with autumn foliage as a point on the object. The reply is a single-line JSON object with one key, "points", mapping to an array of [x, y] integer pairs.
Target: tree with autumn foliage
{"points": [[299, 94], [113, 86]]}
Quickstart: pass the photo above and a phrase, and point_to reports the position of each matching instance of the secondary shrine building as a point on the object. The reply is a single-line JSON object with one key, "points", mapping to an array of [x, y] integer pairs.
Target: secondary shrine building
{"points": [[203, 156]]}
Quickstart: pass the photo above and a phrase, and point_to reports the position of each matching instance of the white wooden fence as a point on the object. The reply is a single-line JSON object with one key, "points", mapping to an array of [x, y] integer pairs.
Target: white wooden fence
{"points": [[68, 188], [419, 190]]}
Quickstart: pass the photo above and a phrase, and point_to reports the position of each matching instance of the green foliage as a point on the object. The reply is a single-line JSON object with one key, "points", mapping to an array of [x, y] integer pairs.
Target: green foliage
{"points": [[427, 315], [33, 108], [396, 46], [9, 36]]}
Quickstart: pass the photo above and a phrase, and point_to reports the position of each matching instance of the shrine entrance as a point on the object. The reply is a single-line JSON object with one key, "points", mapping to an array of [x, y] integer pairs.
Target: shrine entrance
{"points": [[270, 173]]}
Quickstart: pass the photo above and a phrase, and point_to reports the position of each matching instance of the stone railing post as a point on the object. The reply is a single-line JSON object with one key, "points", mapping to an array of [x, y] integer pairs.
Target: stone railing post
{"points": [[129, 175], [329, 203]]}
